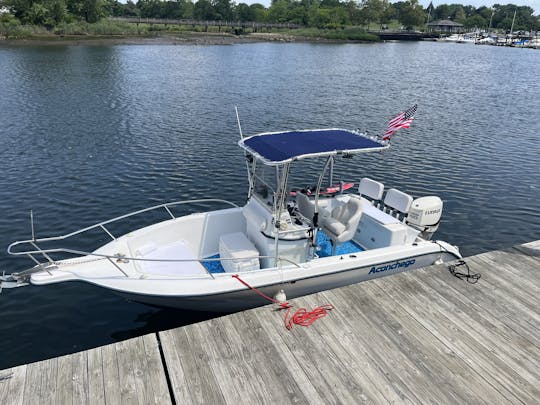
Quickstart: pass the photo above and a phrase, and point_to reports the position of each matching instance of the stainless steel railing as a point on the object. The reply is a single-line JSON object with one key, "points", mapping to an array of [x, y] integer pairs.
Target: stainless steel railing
{"points": [[37, 251]]}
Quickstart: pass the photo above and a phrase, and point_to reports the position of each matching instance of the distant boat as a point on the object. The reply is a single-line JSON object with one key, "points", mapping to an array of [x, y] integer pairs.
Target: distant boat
{"points": [[534, 43], [486, 41], [459, 38]]}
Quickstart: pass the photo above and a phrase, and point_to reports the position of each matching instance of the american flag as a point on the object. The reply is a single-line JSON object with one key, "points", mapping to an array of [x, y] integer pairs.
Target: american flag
{"points": [[402, 120]]}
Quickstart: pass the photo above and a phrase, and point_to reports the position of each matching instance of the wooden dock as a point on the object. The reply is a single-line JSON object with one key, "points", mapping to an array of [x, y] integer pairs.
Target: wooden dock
{"points": [[418, 337]]}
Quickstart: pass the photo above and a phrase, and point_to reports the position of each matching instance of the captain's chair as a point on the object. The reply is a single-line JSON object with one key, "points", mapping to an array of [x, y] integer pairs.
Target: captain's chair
{"points": [[342, 223]]}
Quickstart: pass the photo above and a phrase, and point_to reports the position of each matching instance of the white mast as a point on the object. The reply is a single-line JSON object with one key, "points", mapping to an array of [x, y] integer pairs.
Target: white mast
{"points": [[513, 20]]}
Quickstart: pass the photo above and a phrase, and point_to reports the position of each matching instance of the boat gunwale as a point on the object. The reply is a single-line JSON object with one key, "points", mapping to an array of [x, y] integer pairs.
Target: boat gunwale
{"points": [[265, 285]]}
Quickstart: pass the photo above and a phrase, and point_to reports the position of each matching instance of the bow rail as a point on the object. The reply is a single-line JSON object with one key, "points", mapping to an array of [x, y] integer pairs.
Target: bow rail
{"points": [[35, 250]]}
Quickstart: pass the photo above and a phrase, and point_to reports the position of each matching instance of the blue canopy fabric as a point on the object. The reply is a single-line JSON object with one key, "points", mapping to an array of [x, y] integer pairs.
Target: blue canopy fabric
{"points": [[283, 147]]}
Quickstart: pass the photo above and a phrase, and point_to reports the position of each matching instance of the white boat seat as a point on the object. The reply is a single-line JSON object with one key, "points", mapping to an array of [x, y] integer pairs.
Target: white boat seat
{"points": [[341, 225], [370, 188], [305, 206], [398, 201]]}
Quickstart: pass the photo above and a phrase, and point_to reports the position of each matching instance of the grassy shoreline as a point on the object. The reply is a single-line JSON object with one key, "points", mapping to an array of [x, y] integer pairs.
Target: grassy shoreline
{"points": [[187, 37]]}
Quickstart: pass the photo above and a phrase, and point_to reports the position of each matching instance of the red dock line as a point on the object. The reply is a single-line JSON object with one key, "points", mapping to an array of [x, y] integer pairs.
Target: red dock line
{"points": [[301, 317]]}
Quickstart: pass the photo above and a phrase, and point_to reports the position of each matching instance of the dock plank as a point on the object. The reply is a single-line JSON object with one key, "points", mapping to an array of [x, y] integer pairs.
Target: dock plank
{"points": [[436, 361], [145, 394], [229, 363], [489, 299], [33, 383], [155, 371], [320, 351], [388, 349], [177, 364], [49, 372], [111, 376], [465, 310], [357, 358], [96, 383], [301, 376], [264, 360], [80, 378], [310, 377], [203, 384], [512, 279], [126, 377], [64, 380], [457, 337], [12, 385]]}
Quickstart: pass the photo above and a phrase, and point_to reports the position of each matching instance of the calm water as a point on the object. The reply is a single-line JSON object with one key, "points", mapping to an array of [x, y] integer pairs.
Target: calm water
{"points": [[89, 133]]}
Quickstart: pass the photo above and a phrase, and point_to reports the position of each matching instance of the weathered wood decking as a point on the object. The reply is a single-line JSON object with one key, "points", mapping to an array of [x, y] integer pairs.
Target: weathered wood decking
{"points": [[419, 337], [129, 372]]}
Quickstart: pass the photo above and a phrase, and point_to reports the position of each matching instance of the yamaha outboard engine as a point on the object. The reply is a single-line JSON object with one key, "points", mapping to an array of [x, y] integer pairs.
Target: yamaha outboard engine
{"points": [[425, 215]]}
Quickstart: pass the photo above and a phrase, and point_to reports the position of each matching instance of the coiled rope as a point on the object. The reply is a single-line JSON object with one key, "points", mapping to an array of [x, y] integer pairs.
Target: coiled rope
{"points": [[301, 316], [471, 278]]}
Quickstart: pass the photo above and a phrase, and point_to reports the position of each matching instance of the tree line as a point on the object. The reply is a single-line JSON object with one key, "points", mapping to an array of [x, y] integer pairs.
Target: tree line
{"points": [[310, 13]]}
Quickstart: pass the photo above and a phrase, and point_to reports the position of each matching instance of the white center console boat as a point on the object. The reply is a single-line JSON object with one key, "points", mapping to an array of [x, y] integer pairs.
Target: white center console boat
{"points": [[277, 241]]}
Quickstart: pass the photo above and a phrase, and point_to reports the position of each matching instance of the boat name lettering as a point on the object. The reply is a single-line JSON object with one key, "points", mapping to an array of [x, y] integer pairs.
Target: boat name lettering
{"points": [[391, 266]]}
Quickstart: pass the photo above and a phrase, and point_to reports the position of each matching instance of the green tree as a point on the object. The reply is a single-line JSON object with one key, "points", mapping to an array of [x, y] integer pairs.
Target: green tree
{"points": [[9, 25], [19, 8], [476, 21], [278, 11], [412, 14], [203, 10], [150, 8], [459, 15], [484, 12], [388, 14], [38, 14], [443, 12], [259, 12], [93, 10], [318, 17], [222, 10], [243, 12], [372, 11], [297, 14]]}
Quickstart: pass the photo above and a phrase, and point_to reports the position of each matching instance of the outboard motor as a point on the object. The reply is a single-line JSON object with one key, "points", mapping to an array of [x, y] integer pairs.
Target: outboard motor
{"points": [[425, 215]]}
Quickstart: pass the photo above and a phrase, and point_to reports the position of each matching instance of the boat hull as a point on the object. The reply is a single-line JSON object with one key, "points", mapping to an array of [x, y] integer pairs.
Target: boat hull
{"points": [[239, 300]]}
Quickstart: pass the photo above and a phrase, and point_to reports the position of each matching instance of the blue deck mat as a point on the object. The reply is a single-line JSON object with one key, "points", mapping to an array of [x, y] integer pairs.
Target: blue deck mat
{"points": [[325, 246], [213, 266]]}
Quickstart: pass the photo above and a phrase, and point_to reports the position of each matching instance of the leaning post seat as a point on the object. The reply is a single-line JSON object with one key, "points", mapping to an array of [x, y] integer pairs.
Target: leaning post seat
{"points": [[397, 202]]}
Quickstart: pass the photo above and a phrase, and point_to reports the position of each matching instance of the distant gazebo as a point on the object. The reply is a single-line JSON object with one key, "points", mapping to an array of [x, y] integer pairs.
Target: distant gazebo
{"points": [[445, 26]]}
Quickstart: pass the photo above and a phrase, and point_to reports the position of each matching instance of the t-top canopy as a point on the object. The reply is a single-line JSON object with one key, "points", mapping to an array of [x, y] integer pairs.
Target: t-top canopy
{"points": [[275, 148]]}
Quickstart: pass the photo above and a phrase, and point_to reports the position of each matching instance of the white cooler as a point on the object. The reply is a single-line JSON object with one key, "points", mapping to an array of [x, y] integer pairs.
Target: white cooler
{"points": [[242, 255]]}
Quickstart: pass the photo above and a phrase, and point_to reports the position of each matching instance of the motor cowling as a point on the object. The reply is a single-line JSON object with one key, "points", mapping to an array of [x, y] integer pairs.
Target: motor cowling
{"points": [[425, 215]]}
